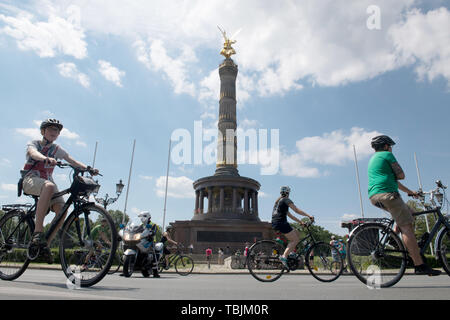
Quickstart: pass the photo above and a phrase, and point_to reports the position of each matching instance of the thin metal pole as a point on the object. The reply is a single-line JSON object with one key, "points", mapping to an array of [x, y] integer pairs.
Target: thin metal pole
{"points": [[128, 187], [420, 186], [167, 184], [359, 185], [95, 154]]}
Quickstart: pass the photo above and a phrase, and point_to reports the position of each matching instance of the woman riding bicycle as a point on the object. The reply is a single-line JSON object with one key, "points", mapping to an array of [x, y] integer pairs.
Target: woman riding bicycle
{"points": [[280, 224], [37, 173]]}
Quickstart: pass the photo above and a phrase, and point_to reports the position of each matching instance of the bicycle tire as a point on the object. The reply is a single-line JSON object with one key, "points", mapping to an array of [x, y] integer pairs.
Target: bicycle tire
{"points": [[117, 259], [263, 261], [374, 264], [327, 263], [73, 229], [16, 250], [443, 248], [184, 265], [128, 266]]}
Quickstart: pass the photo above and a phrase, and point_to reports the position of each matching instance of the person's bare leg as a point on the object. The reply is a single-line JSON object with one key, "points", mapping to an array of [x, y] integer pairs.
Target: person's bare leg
{"points": [[43, 204], [293, 238], [410, 242], [57, 208]]}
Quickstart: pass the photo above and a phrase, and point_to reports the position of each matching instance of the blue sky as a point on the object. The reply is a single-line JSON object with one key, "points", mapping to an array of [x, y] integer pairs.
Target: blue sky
{"points": [[317, 71]]}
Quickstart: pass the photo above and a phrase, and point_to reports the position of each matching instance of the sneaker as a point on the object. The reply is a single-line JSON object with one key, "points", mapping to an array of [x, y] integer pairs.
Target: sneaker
{"points": [[284, 261], [424, 269]]}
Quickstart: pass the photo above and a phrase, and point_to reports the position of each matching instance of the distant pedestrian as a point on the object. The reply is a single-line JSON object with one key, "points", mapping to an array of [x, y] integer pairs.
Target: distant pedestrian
{"points": [[208, 252], [191, 248], [221, 254]]}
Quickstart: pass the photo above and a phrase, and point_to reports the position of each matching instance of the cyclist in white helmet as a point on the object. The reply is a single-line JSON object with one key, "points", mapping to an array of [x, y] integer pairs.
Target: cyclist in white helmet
{"points": [[37, 177], [279, 221]]}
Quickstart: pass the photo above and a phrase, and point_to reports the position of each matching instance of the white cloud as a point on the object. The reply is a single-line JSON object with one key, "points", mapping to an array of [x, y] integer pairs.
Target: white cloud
{"points": [[349, 216], [5, 162], [283, 46], [178, 187], [57, 35], [424, 39], [35, 133], [155, 57], [9, 187], [145, 177], [335, 148], [111, 73], [69, 70]]}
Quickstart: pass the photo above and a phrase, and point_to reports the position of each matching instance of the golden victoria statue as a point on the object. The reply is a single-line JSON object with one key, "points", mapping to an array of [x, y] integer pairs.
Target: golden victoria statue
{"points": [[227, 50]]}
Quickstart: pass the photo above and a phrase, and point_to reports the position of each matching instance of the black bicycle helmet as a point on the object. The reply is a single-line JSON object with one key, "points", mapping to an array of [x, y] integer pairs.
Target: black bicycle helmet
{"points": [[382, 140], [51, 122]]}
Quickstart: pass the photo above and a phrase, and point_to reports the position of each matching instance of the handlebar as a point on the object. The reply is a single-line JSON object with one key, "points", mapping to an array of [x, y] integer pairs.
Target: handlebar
{"points": [[77, 170]]}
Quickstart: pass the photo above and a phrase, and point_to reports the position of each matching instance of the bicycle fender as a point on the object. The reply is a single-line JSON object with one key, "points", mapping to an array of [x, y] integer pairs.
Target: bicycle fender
{"points": [[364, 224]]}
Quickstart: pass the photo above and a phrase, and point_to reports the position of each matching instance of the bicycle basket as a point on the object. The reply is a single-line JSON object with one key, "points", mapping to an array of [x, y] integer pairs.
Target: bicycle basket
{"points": [[84, 185]]}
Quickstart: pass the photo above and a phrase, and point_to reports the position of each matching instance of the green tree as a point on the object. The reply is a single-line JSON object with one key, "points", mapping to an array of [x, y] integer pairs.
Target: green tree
{"points": [[117, 217]]}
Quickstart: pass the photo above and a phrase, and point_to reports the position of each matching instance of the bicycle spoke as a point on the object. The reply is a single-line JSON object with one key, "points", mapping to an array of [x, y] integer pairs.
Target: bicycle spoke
{"points": [[377, 256], [16, 234], [91, 235], [263, 261], [324, 262]]}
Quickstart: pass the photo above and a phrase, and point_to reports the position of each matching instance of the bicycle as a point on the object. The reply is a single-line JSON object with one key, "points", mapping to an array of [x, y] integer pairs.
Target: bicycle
{"points": [[376, 254], [17, 226], [118, 259], [322, 260], [183, 264]]}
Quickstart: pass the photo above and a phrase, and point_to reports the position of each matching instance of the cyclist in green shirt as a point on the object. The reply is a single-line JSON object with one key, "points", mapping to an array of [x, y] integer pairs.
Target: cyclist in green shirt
{"points": [[384, 174]]}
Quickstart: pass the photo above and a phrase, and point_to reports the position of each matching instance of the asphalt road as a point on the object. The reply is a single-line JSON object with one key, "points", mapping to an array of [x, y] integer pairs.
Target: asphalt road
{"points": [[51, 284]]}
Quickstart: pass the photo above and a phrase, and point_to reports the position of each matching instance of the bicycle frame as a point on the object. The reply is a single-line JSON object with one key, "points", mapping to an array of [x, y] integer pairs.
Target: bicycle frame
{"points": [[441, 221]]}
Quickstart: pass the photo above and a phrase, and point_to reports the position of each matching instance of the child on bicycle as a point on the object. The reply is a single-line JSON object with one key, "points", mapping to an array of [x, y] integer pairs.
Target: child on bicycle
{"points": [[280, 224], [384, 172], [41, 158]]}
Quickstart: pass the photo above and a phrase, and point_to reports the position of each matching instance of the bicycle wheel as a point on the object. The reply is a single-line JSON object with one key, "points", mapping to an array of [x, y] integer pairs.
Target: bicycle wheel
{"points": [[117, 262], [184, 265], [324, 262], [15, 235], [443, 248], [263, 261], [94, 240], [376, 256]]}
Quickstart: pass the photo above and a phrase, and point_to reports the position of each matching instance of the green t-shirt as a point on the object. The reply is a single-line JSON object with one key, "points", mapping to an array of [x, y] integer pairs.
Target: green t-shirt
{"points": [[381, 176]]}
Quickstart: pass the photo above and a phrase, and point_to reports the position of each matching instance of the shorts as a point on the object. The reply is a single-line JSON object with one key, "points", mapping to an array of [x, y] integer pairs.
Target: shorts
{"points": [[283, 227], [32, 185], [393, 203]]}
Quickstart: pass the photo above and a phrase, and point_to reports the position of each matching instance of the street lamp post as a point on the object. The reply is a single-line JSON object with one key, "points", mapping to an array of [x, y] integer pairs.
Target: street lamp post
{"points": [[107, 200]]}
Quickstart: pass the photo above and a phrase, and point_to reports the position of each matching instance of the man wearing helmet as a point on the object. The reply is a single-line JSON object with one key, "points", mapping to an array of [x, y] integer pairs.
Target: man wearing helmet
{"points": [[384, 173], [279, 221], [41, 158], [149, 233]]}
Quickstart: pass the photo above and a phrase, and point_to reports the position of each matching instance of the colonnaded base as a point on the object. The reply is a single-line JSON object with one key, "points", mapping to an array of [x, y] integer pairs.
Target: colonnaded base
{"points": [[228, 235]]}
